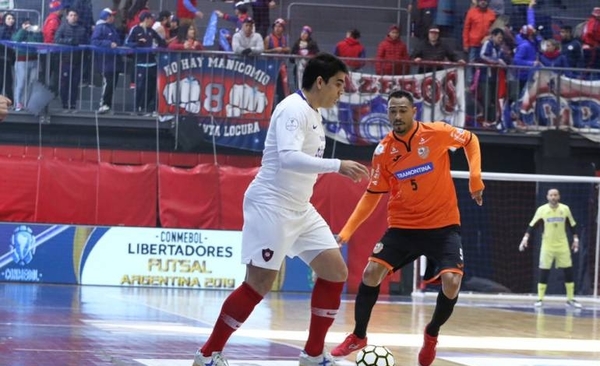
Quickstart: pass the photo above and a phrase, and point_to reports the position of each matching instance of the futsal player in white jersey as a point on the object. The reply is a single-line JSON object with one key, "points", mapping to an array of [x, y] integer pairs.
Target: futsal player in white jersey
{"points": [[280, 221]]}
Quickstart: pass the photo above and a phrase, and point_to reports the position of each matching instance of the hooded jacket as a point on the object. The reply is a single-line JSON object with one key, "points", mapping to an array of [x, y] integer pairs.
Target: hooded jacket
{"points": [[350, 47], [392, 51], [104, 35]]}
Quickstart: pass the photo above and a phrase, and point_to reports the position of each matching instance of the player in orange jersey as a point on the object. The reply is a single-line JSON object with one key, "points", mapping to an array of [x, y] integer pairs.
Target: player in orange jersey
{"points": [[412, 164]]}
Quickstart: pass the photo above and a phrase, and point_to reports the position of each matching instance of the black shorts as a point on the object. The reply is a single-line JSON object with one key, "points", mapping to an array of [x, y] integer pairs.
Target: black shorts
{"points": [[442, 247]]}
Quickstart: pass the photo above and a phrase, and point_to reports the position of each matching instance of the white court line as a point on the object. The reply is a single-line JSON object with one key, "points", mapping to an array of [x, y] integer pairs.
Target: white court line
{"points": [[171, 362], [394, 339]]}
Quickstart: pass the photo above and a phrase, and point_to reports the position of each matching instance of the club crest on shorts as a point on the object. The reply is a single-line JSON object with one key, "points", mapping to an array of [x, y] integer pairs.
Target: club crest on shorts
{"points": [[267, 254], [378, 248]]}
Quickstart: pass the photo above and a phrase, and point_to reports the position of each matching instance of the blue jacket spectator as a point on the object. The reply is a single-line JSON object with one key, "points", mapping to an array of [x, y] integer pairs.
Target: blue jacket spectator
{"points": [[526, 55], [552, 57], [143, 36], [491, 53], [106, 36], [571, 47]]}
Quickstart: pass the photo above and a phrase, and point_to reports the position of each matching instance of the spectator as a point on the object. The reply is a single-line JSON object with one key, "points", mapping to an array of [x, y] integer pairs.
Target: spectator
{"points": [[433, 50], [186, 39], [591, 40], [260, 13], [174, 26], [477, 27], [187, 11], [109, 64], [492, 78], [70, 33], [141, 37], [277, 42], [392, 54], [509, 44], [240, 13], [86, 20], [84, 14], [552, 56], [51, 25], [26, 64], [7, 55], [306, 47], [424, 16], [571, 48], [351, 47], [52, 22], [247, 42], [162, 25], [526, 55]]}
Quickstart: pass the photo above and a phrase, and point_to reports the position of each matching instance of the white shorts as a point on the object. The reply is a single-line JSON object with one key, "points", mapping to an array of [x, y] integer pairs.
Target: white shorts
{"points": [[270, 233]]}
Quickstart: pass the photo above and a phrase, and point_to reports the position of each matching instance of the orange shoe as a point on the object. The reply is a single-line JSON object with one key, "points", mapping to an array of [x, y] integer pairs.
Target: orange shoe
{"points": [[350, 344], [427, 353]]}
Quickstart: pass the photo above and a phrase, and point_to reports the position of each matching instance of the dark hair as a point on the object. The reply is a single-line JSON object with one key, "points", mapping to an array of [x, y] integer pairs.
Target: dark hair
{"points": [[497, 31], [355, 33], [567, 28], [164, 14], [182, 32], [324, 65], [402, 94]]}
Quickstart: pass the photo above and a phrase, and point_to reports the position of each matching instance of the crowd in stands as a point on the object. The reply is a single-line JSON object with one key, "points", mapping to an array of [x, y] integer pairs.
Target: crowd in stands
{"points": [[489, 36]]}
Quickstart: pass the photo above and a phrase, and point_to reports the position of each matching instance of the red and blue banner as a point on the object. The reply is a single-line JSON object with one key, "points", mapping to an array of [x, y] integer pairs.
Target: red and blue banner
{"points": [[232, 96], [360, 118], [554, 100]]}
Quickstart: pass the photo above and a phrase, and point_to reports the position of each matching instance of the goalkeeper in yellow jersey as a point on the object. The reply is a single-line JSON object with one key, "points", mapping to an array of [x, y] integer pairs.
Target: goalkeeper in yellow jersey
{"points": [[555, 245]]}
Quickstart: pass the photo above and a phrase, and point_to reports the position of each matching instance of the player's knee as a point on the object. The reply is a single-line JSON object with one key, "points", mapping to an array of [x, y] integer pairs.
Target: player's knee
{"points": [[374, 273], [451, 284]]}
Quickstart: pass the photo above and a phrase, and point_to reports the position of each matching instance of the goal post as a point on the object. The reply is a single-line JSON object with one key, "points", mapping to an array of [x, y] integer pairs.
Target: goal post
{"points": [[491, 235]]}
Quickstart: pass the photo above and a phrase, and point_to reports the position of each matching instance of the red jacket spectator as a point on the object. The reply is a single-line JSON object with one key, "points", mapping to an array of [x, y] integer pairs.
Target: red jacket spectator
{"points": [[351, 47], [392, 51], [591, 31], [477, 24], [52, 22]]}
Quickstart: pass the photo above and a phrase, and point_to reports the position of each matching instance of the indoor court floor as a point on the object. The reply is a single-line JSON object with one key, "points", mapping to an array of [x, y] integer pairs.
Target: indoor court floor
{"points": [[54, 325]]}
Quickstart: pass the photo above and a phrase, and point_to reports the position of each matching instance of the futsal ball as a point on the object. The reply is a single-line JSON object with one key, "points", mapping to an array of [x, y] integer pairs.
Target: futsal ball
{"points": [[375, 356]]}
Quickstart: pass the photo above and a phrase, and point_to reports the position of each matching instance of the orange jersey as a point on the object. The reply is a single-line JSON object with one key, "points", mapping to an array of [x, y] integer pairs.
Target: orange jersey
{"points": [[415, 171]]}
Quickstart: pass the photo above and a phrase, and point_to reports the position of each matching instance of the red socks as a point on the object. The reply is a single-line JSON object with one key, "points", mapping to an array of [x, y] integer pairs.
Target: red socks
{"points": [[325, 302], [235, 310]]}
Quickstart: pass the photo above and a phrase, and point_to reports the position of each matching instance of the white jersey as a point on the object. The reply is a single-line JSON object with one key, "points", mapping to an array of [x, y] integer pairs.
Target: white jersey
{"points": [[295, 126]]}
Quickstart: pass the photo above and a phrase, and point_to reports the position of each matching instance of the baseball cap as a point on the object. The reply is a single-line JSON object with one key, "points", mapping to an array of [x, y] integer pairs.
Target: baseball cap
{"points": [[55, 6], [248, 20], [434, 28], [145, 15], [105, 13], [393, 27], [596, 12]]}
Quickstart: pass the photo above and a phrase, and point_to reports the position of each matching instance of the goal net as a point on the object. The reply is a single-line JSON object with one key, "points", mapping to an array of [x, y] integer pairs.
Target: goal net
{"points": [[491, 234]]}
